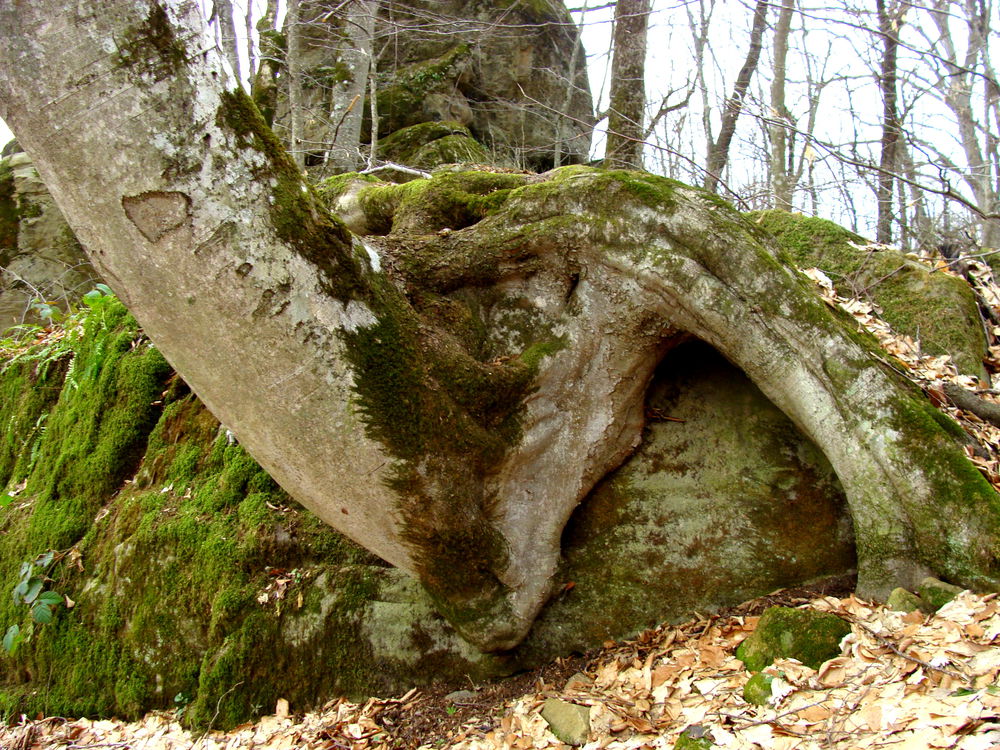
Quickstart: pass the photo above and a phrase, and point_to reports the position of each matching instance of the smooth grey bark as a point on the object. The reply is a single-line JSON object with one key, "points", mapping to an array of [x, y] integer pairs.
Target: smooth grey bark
{"points": [[782, 182], [889, 19], [296, 334], [627, 105], [225, 23], [293, 68]]}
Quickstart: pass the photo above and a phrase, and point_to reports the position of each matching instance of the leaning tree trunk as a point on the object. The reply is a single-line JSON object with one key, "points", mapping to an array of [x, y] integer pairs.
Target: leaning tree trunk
{"points": [[447, 398]]}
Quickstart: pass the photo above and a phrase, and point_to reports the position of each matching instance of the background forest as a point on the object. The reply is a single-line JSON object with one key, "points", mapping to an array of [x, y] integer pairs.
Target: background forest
{"points": [[883, 117]]}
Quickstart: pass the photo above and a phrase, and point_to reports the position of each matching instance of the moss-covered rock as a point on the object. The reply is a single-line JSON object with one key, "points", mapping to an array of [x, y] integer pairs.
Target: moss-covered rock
{"points": [[934, 594], [40, 258], [723, 501], [687, 741], [567, 721], [901, 600], [782, 632], [8, 213], [936, 309], [757, 690], [431, 144], [193, 574]]}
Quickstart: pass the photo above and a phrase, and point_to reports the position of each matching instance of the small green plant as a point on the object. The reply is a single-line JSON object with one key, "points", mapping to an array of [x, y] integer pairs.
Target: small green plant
{"points": [[47, 311], [181, 702], [31, 592]]}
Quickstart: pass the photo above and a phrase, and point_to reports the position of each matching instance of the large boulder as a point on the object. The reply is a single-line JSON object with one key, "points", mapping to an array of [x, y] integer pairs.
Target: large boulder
{"points": [[40, 258], [194, 575], [513, 73]]}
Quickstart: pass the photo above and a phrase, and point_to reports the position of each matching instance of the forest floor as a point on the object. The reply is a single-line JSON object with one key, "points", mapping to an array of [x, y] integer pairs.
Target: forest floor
{"points": [[902, 681]]}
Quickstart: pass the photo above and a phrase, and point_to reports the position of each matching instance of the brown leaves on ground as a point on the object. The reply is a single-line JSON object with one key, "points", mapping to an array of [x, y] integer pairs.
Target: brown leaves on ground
{"points": [[902, 681]]}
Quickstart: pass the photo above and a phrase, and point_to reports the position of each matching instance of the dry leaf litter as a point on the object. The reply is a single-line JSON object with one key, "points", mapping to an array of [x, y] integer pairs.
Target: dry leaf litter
{"points": [[903, 680]]}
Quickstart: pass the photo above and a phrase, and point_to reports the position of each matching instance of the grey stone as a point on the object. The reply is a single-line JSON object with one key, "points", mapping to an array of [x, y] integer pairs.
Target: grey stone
{"points": [[901, 600], [935, 594], [568, 721]]}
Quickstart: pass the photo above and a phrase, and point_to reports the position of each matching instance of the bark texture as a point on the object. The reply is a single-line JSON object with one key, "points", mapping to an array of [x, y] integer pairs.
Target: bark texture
{"points": [[447, 392], [628, 86]]}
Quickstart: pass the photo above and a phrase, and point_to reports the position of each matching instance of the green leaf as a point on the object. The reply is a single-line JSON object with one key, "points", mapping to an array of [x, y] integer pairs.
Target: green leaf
{"points": [[34, 589], [6, 500], [43, 561], [11, 638], [19, 591], [51, 598], [41, 613], [103, 288]]}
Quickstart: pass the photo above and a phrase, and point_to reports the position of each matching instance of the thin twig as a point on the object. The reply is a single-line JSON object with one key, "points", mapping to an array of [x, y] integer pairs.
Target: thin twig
{"points": [[218, 709]]}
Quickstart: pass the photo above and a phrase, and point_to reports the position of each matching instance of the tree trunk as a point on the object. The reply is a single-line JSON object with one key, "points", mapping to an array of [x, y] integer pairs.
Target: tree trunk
{"points": [[889, 19], [628, 86], [782, 183], [348, 97], [955, 90], [718, 152], [293, 69], [455, 457], [225, 22]]}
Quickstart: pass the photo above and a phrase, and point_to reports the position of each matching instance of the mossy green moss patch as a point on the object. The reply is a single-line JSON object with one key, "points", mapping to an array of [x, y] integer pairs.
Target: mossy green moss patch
{"points": [[152, 47], [185, 570], [431, 144], [809, 636], [936, 309]]}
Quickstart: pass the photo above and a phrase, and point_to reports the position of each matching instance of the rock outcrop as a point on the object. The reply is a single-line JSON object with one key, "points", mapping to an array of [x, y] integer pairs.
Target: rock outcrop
{"points": [[193, 574], [513, 73], [40, 258]]}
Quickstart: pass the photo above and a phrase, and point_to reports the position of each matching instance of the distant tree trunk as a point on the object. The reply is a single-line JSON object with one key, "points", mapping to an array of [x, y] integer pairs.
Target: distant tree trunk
{"points": [[782, 184], [225, 27], [373, 105], [264, 82], [889, 19], [293, 67], [357, 54], [955, 89], [628, 86], [718, 152], [574, 62]]}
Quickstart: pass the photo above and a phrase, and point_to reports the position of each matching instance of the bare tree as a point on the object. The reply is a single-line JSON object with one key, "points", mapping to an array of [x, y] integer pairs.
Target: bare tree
{"points": [[718, 150], [781, 137], [889, 19], [626, 134]]}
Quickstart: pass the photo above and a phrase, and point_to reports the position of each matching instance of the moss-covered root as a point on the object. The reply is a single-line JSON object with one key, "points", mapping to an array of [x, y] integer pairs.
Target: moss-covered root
{"points": [[691, 263]]}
